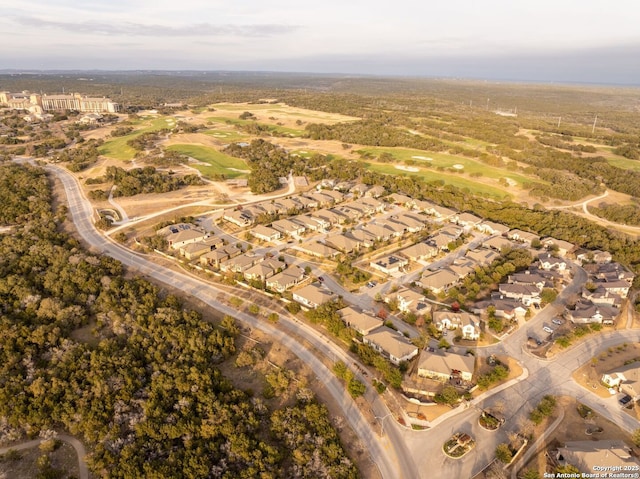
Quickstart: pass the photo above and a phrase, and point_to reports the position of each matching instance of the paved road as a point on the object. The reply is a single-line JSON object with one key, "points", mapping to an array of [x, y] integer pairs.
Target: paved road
{"points": [[403, 452], [393, 461], [75, 443]]}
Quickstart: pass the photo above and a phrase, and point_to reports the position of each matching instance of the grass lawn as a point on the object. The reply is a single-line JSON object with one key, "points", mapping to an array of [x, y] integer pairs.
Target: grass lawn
{"points": [[117, 147], [448, 178], [621, 162], [225, 135], [283, 130], [446, 161], [217, 163]]}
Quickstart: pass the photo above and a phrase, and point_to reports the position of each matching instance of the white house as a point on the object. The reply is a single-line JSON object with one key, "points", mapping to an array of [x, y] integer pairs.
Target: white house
{"points": [[468, 324]]}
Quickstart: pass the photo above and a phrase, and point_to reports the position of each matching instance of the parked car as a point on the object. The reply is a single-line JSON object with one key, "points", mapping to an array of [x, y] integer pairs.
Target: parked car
{"points": [[547, 329], [557, 321], [320, 278], [624, 400], [371, 284]]}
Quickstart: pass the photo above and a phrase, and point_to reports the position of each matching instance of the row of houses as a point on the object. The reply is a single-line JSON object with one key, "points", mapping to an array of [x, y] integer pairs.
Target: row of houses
{"points": [[386, 341], [440, 280], [276, 275], [603, 295], [284, 206]]}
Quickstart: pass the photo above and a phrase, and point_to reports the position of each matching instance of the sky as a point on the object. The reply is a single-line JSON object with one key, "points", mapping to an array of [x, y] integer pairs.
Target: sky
{"points": [[543, 40]]}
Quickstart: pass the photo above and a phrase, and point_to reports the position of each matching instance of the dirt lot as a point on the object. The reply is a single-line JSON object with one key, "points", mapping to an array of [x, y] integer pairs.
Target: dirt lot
{"points": [[63, 458], [588, 376], [574, 428]]}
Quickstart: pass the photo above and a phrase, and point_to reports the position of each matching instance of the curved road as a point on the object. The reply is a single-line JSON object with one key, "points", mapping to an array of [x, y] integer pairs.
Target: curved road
{"points": [[75, 443], [392, 461], [402, 452]]}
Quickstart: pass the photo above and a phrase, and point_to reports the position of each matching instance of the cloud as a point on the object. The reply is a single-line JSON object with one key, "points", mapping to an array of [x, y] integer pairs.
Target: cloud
{"points": [[138, 29]]}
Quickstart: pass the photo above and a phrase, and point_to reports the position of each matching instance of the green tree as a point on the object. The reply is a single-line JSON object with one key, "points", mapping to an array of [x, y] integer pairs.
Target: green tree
{"points": [[356, 388], [503, 453]]}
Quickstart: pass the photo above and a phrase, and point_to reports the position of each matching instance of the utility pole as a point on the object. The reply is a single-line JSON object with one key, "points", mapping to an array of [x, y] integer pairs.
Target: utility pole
{"points": [[595, 120]]}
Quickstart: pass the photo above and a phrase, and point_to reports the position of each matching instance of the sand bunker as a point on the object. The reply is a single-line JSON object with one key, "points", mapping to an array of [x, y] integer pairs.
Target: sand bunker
{"points": [[458, 166], [425, 158], [412, 169]]}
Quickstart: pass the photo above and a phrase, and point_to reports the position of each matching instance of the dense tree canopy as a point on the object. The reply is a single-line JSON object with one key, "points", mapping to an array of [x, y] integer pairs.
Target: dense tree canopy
{"points": [[127, 368]]}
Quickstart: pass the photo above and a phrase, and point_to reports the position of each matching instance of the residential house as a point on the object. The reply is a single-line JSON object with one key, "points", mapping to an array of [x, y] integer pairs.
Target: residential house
{"points": [[462, 267], [392, 345], [328, 216], [419, 251], [192, 251], [549, 262], [304, 202], [468, 324], [217, 256], [562, 247], [264, 269], [240, 218], [184, 237], [445, 366], [522, 236], [585, 256], [440, 241], [625, 379], [498, 243], [466, 220], [342, 243], [286, 279], [391, 264], [482, 256], [438, 281], [410, 301], [380, 231], [241, 263], [360, 322], [288, 228], [599, 296], [451, 230], [585, 312], [506, 308], [342, 186], [359, 189], [619, 287], [269, 208], [322, 199], [603, 455], [323, 223], [401, 200], [528, 294], [529, 277], [376, 191], [287, 205], [609, 272], [397, 229], [362, 236], [336, 196], [350, 214], [318, 249], [491, 228], [309, 223], [265, 233], [312, 296], [410, 223], [440, 213]]}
